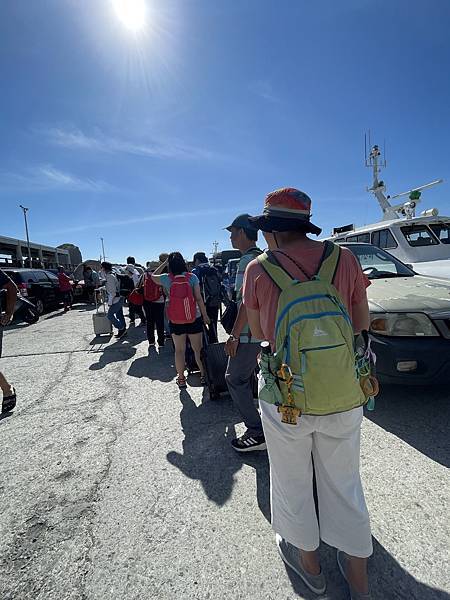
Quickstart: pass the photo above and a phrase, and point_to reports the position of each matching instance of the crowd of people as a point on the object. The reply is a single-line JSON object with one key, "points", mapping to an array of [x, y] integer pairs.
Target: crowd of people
{"points": [[310, 402]]}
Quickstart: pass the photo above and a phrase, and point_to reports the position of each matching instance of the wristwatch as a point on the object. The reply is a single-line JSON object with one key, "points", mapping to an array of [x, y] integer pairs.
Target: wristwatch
{"points": [[232, 338]]}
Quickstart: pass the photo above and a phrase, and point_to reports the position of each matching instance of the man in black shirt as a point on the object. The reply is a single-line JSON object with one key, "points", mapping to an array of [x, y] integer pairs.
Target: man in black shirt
{"points": [[8, 295], [211, 288]]}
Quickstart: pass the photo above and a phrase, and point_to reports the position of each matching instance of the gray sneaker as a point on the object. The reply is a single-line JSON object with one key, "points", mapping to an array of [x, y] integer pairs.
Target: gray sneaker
{"points": [[291, 556], [342, 560]]}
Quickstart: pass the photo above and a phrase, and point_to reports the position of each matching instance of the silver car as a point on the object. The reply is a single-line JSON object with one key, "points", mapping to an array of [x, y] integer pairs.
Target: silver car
{"points": [[409, 319]]}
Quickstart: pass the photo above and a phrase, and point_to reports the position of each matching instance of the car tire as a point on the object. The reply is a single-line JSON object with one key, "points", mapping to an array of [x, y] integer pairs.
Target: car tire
{"points": [[39, 306], [31, 317]]}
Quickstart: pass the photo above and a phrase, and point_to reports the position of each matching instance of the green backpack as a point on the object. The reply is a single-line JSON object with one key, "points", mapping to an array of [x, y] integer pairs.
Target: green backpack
{"points": [[313, 370]]}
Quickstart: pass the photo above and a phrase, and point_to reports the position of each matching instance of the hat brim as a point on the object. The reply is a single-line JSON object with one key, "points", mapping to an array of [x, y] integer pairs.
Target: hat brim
{"points": [[269, 224], [231, 227]]}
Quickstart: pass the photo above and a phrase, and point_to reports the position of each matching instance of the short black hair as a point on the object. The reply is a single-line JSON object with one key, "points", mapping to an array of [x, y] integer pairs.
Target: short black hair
{"points": [[201, 256], [177, 264], [252, 234], [107, 266], [131, 260]]}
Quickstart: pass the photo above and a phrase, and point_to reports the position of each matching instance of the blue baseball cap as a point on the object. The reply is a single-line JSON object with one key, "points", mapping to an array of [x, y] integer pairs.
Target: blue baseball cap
{"points": [[242, 222]]}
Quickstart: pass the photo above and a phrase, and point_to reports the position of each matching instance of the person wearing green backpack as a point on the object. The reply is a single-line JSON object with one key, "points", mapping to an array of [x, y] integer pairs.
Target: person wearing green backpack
{"points": [[308, 299]]}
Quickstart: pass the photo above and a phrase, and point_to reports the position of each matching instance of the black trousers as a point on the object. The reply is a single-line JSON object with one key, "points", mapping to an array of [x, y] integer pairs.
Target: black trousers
{"points": [[213, 314], [134, 310], [154, 313]]}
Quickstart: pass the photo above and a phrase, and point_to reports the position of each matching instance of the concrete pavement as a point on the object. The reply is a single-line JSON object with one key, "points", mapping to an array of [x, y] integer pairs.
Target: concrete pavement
{"points": [[115, 485]]}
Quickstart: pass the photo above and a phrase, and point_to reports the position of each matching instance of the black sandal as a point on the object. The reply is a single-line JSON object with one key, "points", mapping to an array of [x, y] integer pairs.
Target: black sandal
{"points": [[181, 382], [9, 402]]}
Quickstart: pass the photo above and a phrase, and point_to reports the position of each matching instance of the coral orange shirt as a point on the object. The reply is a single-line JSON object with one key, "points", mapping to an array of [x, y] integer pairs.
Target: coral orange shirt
{"points": [[260, 293]]}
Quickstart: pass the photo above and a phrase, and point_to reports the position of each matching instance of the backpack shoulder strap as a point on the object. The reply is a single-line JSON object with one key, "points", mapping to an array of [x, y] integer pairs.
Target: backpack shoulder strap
{"points": [[275, 270], [329, 262]]}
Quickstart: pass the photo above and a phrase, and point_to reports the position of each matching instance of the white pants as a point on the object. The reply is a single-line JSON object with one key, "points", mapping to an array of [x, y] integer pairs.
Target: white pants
{"points": [[333, 442]]}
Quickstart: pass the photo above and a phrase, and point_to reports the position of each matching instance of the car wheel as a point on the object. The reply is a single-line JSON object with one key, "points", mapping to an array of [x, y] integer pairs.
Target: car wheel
{"points": [[31, 316], [39, 306]]}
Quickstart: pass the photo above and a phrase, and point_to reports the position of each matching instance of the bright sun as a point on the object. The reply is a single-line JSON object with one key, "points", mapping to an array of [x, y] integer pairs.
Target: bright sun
{"points": [[132, 13]]}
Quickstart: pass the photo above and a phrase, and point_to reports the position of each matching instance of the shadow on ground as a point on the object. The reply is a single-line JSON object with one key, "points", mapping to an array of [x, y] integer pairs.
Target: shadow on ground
{"points": [[156, 366], [417, 415], [207, 453], [388, 579], [85, 308], [53, 315], [122, 349]]}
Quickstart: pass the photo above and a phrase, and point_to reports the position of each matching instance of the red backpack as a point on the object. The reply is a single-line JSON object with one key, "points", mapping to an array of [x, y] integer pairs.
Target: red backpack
{"points": [[152, 291], [182, 304]]}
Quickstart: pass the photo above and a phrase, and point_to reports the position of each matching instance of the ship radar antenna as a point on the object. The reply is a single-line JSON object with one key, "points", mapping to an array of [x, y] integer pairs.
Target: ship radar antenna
{"points": [[376, 161]]}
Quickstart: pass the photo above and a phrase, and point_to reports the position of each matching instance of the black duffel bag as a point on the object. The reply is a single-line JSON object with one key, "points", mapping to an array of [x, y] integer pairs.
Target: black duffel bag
{"points": [[229, 316]]}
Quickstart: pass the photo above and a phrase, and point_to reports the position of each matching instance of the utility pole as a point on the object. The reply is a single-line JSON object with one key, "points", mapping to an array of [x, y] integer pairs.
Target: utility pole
{"points": [[25, 210], [103, 249]]}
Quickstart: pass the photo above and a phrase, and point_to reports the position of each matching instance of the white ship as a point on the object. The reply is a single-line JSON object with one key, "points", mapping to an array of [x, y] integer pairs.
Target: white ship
{"points": [[423, 241]]}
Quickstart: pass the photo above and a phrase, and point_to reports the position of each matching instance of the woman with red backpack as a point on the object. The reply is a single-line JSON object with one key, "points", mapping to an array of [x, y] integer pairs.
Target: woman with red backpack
{"points": [[185, 311]]}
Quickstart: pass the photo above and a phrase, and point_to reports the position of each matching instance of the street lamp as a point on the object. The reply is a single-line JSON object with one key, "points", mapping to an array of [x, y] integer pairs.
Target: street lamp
{"points": [[25, 210], [103, 250]]}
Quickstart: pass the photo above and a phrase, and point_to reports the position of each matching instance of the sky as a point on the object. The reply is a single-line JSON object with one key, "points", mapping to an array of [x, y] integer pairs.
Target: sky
{"points": [[155, 129]]}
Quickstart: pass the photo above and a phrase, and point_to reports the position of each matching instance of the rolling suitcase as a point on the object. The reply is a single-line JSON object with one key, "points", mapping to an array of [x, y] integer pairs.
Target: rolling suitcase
{"points": [[215, 362], [102, 325]]}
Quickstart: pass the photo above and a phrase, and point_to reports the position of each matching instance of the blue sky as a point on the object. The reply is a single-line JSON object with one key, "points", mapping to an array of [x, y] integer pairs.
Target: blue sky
{"points": [[156, 139]]}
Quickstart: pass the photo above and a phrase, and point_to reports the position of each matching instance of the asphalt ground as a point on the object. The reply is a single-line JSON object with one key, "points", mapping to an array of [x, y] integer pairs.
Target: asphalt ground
{"points": [[116, 485]]}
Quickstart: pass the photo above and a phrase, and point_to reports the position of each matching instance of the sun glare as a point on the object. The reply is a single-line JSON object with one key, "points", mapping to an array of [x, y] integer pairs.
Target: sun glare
{"points": [[132, 13]]}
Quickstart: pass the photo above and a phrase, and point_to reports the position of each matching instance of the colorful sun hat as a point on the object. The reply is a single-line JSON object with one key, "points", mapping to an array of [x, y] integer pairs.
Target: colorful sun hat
{"points": [[287, 209]]}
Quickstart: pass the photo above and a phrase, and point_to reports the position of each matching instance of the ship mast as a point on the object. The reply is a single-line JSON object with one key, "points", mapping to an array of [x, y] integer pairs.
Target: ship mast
{"points": [[405, 209], [378, 188]]}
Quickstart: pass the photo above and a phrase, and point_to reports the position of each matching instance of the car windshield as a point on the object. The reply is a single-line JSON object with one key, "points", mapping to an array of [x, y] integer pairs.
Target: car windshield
{"points": [[378, 264], [442, 231]]}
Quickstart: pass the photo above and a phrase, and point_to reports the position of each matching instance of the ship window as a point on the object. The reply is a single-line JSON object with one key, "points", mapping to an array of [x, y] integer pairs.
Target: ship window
{"points": [[384, 239], [362, 238], [442, 231], [419, 235]]}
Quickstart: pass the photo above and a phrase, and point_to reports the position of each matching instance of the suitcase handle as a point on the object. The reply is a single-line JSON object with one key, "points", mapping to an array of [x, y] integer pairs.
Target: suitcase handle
{"points": [[103, 300]]}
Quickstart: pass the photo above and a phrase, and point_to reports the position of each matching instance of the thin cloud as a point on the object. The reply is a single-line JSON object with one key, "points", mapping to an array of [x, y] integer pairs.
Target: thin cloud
{"points": [[48, 178], [264, 90], [153, 148], [148, 219]]}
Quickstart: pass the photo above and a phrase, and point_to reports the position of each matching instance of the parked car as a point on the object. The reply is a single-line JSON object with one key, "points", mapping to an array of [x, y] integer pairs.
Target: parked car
{"points": [[37, 285], [409, 319]]}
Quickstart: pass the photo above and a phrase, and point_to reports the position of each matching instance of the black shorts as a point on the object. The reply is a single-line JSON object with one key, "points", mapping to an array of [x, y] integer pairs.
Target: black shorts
{"points": [[186, 328]]}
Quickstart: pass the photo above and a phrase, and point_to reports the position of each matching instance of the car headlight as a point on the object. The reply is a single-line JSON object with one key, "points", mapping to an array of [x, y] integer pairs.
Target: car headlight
{"points": [[403, 324]]}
